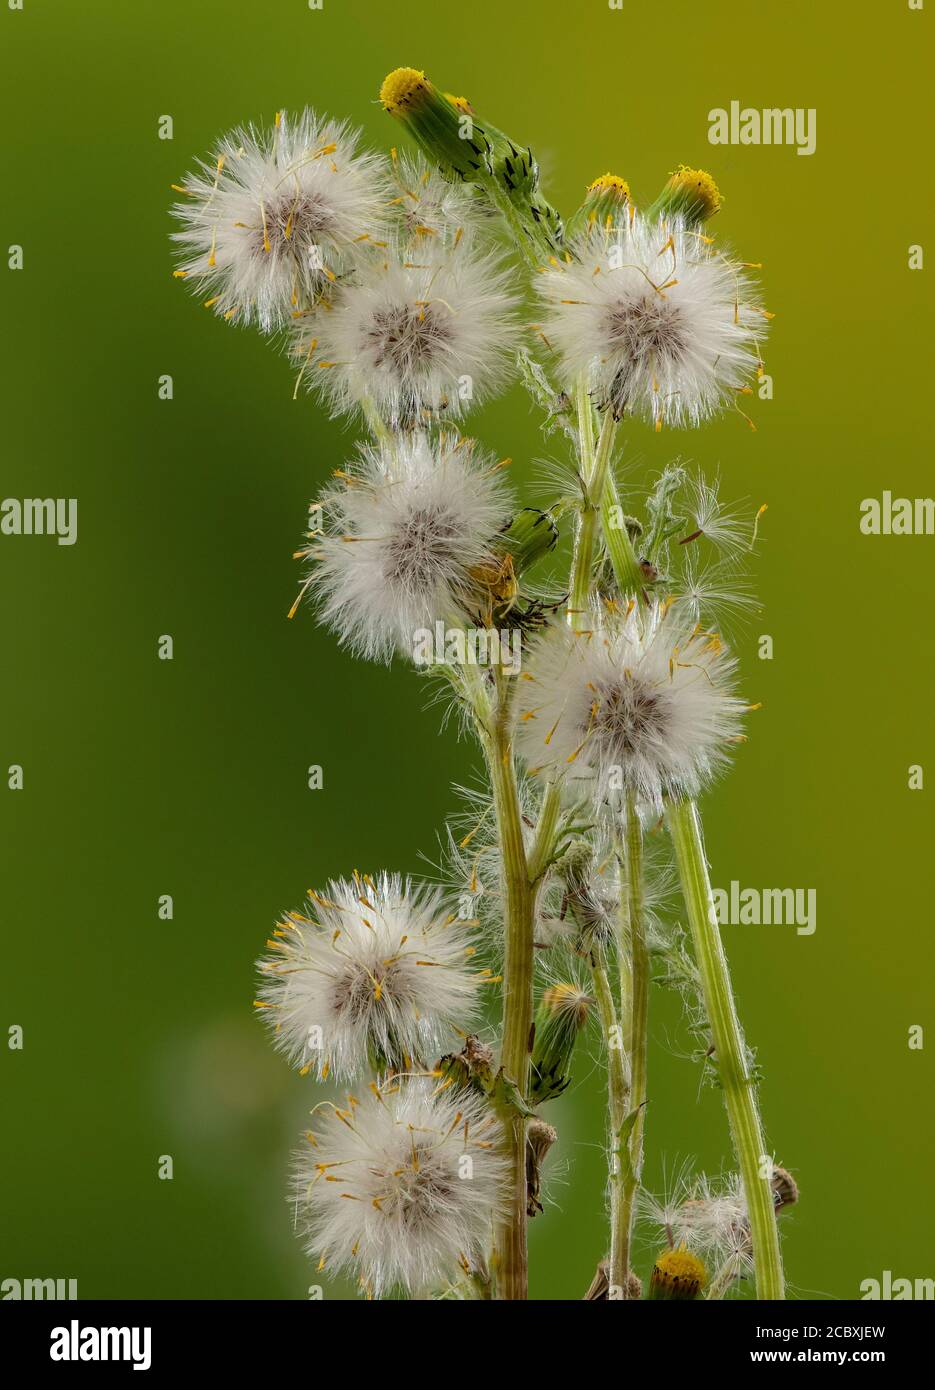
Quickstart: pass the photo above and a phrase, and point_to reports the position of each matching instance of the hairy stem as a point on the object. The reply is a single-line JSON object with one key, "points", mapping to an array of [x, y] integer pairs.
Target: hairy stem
{"points": [[617, 1097], [526, 235], [597, 483], [634, 989], [623, 557], [378, 425], [723, 1279], [595, 470], [730, 1053], [546, 830], [518, 900]]}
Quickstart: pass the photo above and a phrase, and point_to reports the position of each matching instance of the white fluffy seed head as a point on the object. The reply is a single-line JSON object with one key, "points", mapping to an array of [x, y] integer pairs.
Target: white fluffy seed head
{"points": [[276, 215], [643, 707], [408, 535], [402, 1187], [664, 326], [434, 212], [422, 334], [729, 529], [716, 593], [707, 1217], [374, 974]]}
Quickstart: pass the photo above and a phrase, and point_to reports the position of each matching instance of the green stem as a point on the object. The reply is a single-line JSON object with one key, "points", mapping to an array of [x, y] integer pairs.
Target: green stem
{"points": [[725, 1276], [518, 900], [730, 1053], [585, 426], [580, 575], [546, 827], [594, 474], [600, 490], [531, 244], [376, 422], [623, 557], [634, 964], [617, 1097]]}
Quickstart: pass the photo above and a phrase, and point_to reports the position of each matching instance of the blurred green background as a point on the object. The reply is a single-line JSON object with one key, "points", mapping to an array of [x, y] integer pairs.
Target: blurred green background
{"points": [[145, 777]]}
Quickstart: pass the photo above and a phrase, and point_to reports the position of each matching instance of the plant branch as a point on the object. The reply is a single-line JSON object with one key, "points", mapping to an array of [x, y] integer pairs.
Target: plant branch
{"points": [[633, 956], [518, 901], [730, 1055]]}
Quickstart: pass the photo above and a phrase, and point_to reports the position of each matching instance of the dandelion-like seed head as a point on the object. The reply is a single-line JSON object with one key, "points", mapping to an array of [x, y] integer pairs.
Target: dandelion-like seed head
{"points": [[374, 974], [435, 212], [420, 334], [666, 327], [277, 215], [708, 1218], [402, 1186], [408, 541], [643, 707]]}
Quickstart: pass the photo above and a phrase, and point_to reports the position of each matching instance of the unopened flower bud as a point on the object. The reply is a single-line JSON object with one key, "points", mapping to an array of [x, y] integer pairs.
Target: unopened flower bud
{"points": [[471, 1067], [452, 135], [442, 125], [785, 1188], [689, 193], [530, 535], [605, 202], [539, 1139], [516, 172], [562, 1013]]}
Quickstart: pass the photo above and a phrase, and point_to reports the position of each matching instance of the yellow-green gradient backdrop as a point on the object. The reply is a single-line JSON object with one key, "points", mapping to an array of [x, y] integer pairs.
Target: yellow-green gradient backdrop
{"points": [[147, 777]]}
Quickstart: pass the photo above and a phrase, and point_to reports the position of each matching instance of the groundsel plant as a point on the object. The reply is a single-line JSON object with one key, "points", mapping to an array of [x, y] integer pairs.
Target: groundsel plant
{"points": [[604, 703]]}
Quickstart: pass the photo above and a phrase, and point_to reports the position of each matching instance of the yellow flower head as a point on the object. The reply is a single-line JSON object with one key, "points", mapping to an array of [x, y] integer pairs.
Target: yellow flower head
{"points": [[610, 184], [699, 186], [677, 1275], [401, 88]]}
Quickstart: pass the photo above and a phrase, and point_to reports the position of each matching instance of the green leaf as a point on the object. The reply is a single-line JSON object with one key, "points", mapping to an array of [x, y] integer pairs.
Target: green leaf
{"points": [[626, 1171], [507, 1099]]}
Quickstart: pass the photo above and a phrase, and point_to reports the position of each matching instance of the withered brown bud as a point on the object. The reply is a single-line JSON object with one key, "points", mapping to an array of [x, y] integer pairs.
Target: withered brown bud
{"points": [[785, 1188], [539, 1139], [473, 1066]]}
